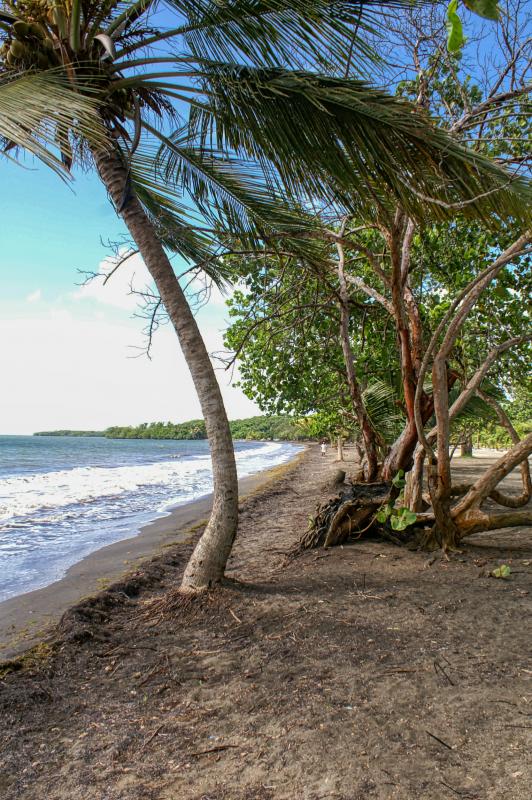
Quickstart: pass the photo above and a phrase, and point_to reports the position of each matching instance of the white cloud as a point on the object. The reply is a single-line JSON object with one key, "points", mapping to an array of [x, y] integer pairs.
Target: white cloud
{"points": [[71, 364], [34, 297], [132, 275], [64, 371]]}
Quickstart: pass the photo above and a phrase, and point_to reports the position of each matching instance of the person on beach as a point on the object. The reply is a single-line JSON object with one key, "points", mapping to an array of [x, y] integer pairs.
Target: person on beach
{"points": [[323, 448]]}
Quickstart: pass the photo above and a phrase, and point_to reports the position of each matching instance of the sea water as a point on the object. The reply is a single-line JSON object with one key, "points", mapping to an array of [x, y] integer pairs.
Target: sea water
{"points": [[63, 497]]}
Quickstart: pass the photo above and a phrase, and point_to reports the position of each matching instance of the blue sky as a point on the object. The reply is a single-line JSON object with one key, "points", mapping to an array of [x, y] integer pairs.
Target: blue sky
{"points": [[41, 218], [66, 356]]}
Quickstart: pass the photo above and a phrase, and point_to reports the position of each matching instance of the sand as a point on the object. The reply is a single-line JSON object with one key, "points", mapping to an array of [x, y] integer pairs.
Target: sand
{"points": [[364, 671], [26, 618]]}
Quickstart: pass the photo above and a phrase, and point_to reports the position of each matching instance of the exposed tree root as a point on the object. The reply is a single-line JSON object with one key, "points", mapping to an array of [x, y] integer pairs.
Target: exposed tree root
{"points": [[352, 514], [185, 605], [349, 514]]}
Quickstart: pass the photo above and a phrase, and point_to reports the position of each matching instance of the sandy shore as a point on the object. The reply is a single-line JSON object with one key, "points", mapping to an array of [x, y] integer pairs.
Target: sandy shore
{"points": [[363, 671], [24, 619]]}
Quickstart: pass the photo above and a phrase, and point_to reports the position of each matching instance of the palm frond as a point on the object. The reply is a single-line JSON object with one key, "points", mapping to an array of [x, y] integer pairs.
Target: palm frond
{"points": [[272, 32], [177, 226], [380, 401], [231, 193], [343, 139], [476, 409], [34, 107]]}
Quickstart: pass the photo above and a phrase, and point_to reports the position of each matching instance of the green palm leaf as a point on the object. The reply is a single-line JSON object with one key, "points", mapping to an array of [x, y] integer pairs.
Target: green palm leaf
{"points": [[232, 193], [476, 409], [177, 226], [317, 33], [343, 139], [276, 32], [35, 108], [380, 402]]}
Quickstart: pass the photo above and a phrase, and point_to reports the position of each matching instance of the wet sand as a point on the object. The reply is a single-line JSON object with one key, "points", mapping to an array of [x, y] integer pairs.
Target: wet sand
{"points": [[24, 619]]}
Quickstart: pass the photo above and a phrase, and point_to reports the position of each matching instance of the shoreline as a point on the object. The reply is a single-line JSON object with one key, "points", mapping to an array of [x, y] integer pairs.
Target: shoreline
{"points": [[26, 618]]}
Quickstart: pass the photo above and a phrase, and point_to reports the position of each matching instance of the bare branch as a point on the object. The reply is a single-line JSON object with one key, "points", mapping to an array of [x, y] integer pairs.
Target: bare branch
{"points": [[354, 280], [484, 486], [499, 497]]}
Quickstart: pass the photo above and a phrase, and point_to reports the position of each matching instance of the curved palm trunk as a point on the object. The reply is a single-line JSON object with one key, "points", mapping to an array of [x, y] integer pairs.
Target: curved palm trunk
{"points": [[207, 564]]}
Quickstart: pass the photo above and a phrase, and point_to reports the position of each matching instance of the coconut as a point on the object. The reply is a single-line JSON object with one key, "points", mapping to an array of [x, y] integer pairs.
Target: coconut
{"points": [[21, 29]]}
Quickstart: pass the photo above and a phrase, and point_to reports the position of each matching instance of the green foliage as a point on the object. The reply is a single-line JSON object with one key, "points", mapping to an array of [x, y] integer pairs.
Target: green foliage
{"points": [[488, 9], [243, 76], [402, 518], [398, 518], [455, 32], [488, 433], [503, 572], [384, 513], [399, 479], [69, 433], [22, 121], [254, 428], [284, 326]]}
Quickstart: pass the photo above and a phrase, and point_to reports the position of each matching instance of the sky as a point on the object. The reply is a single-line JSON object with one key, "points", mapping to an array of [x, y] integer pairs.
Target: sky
{"points": [[67, 352]]}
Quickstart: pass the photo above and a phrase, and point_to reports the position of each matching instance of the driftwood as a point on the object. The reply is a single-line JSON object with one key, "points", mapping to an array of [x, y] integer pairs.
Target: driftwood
{"points": [[349, 514]]}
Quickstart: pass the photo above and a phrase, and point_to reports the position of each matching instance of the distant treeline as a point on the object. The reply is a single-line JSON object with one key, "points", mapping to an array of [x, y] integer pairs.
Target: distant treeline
{"points": [[70, 433], [256, 428]]}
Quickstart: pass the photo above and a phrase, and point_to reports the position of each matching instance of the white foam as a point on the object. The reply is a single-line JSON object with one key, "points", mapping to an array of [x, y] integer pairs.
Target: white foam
{"points": [[23, 496]]}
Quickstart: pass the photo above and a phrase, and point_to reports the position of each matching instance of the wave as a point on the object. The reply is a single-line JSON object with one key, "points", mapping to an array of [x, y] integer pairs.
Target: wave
{"points": [[181, 478]]}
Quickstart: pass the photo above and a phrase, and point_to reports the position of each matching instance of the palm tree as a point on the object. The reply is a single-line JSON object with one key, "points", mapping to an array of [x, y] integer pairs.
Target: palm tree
{"points": [[255, 128]]}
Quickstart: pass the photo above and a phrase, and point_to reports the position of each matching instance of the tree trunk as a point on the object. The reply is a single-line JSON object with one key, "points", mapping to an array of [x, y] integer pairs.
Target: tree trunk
{"points": [[414, 483], [340, 443], [466, 446], [366, 429], [478, 521], [401, 452], [207, 563]]}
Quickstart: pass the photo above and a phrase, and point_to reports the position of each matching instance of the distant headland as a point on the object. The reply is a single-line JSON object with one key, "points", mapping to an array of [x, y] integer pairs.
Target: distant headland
{"points": [[283, 428]]}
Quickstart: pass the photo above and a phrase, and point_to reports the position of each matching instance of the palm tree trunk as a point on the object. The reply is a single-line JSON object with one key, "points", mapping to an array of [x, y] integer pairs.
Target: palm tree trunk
{"points": [[207, 563]]}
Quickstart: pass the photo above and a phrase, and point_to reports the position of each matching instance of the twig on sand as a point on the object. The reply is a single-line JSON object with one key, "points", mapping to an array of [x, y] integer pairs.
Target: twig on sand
{"points": [[235, 616], [439, 669], [452, 789], [151, 675], [152, 737], [460, 793], [399, 670], [448, 746], [517, 726], [216, 749]]}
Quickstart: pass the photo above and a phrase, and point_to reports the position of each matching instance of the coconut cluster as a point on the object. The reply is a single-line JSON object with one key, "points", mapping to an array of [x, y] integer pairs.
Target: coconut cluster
{"points": [[29, 46]]}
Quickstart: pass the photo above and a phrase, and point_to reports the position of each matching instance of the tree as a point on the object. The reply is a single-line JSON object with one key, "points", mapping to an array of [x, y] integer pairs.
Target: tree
{"points": [[306, 133], [419, 278], [285, 333]]}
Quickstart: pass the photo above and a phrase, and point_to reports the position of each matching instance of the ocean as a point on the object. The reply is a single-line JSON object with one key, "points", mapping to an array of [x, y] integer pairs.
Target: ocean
{"points": [[63, 497]]}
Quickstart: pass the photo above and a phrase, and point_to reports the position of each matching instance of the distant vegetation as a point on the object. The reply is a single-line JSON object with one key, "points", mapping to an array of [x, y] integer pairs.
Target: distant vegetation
{"points": [[70, 433], [481, 427], [256, 428]]}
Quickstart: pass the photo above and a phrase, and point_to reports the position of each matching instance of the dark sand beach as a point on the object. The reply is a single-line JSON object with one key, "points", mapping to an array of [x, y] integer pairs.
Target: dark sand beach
{"points": [[363, 671]]}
